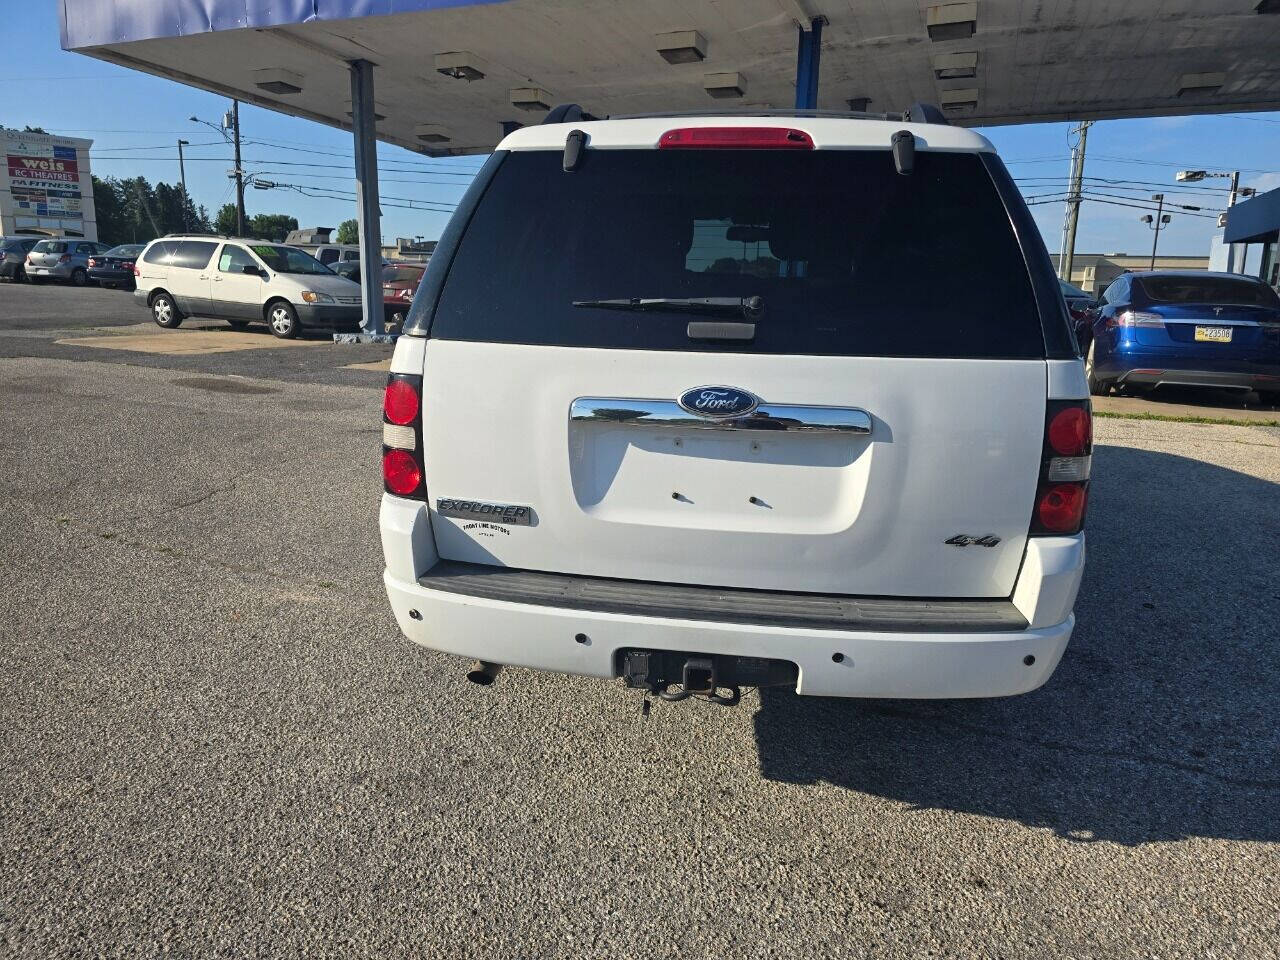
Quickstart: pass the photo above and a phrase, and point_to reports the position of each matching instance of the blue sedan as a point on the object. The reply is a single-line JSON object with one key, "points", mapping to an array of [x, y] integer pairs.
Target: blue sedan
{"points": [[1189, 329]]}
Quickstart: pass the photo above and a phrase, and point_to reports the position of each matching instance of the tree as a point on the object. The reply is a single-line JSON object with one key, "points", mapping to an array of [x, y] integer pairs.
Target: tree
{"points": [[272, 226], [35, 130], [348, 232], [109, 207], [225, 221]]}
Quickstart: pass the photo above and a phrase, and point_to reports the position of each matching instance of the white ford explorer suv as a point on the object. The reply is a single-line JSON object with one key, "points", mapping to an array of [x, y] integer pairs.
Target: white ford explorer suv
{"points": [[704, 403]]}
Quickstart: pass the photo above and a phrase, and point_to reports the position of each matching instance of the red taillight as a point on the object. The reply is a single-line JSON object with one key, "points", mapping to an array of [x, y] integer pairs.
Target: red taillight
{"points": [[1069, 432], [401, 473], [735, 138], [1063, 491], [134, 268], [93, 262], [400, 402], [1060, 507]]}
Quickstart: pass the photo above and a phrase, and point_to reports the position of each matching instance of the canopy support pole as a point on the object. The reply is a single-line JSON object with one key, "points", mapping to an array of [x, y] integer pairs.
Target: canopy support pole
{"points": [[368, 212], [808, 57]]}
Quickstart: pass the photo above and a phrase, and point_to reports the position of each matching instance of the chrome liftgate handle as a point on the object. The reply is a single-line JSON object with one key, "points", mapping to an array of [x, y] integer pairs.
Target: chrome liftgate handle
{"points": [[775, 417]]}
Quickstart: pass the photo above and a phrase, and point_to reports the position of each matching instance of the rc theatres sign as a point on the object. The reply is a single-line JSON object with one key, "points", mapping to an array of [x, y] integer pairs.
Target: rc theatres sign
{"points": [[46, 188]]}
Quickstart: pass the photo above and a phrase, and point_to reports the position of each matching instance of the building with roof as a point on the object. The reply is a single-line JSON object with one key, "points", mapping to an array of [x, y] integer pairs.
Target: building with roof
{"points": [[1257, 220], [1093, 272]]}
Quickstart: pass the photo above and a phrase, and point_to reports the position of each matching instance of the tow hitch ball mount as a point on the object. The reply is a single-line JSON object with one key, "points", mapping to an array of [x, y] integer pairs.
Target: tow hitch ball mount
{"points": [[698, 677]]}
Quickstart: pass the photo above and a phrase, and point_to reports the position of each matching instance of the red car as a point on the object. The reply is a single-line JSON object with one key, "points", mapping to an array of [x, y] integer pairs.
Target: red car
{"points": [[399, 284]]}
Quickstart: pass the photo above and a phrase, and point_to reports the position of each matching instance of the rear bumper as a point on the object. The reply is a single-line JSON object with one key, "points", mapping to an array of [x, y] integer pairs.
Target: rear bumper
{"points": [[1160, 368], [111, 276], [60, 272], [874, 662]]}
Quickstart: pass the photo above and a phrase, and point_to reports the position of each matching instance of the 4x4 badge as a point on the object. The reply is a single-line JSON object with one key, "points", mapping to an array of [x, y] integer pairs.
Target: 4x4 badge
{"points": [[964, 540]]}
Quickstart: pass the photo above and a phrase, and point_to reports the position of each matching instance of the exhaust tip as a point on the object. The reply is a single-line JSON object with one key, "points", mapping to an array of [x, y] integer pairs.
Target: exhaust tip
{"points": [[483, 673]]}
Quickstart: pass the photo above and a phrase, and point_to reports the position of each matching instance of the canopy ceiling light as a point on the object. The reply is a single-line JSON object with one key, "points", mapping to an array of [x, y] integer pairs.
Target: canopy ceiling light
{"points": [[958, 99], [1200, 83], [725, 86], [431, 133], [682, 46], [459, 64], [952, 21], [530, 98], [956, 66], [278, 81], [378, 109]]}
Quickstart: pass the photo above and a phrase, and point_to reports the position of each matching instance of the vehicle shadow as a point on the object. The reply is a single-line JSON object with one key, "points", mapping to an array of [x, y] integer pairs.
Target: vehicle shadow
{"points": [[1160, 722]]}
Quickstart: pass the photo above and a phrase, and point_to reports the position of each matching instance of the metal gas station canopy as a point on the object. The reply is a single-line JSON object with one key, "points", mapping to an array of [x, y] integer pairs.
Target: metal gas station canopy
{"points": [[450, 72]]}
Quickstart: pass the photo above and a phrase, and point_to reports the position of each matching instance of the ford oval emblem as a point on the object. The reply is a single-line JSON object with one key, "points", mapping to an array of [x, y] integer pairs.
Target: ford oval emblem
{"points": [[717, 402]]}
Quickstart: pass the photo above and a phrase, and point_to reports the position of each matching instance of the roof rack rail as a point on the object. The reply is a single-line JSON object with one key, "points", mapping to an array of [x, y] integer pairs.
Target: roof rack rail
{"points": [[748, 112], [925, 113], [197, 233], [916, 113], [567, 113]]}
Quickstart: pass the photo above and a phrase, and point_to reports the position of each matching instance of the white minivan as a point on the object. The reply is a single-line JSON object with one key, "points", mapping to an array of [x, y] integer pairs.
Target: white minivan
{"points": [[724, 401], [241, 281]]}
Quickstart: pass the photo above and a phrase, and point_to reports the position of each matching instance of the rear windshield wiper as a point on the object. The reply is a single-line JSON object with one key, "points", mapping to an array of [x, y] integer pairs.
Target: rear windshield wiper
{"points": [[749, 307]]}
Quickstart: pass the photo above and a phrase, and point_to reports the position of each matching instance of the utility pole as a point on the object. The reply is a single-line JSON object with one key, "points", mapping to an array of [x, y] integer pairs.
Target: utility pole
{"points": [[1067, 251], [182, 176], [182, 170], [235, 124]]}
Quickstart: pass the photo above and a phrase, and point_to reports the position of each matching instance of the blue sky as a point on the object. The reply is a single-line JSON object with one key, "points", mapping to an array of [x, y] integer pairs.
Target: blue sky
{"points": [[135, 121]]}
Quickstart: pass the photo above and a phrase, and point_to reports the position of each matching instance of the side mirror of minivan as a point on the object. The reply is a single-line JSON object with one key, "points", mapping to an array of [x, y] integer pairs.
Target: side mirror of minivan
{"points": [[251, 269]]}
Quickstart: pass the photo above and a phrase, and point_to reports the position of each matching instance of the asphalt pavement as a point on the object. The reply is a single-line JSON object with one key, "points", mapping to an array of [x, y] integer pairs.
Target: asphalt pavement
{"points": [[216, 743]]}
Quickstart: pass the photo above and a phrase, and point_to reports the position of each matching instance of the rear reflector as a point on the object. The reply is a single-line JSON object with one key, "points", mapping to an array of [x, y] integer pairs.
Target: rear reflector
{"points": [[735, 138], [400, 473], [400, 402]]}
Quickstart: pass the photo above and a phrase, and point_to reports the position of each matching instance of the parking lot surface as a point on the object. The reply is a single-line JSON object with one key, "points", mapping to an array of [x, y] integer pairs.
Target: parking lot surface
{"points": [[217, 744]]}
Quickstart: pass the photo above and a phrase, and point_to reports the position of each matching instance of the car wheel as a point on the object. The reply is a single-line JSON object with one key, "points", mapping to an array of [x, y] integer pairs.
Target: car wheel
{"points": [[1096, 387], [78, 277], [20, 275], [283, 320], [1269, 398], [108, 285], [397, 321], [239, 324], [165, 311]]}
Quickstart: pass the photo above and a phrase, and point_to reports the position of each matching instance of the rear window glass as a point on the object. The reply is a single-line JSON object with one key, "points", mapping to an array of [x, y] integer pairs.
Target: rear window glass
{"points": [[191, 254], [50, 246], [401, 274], [125, 250], [849, 257], [1209, 290]]}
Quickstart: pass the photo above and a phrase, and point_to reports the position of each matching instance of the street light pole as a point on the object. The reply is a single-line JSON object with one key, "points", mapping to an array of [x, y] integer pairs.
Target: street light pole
{"points": [[1160, 219]]}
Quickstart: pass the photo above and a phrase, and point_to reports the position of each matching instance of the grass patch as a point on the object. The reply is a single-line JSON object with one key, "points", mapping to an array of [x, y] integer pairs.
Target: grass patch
{"points": [[1174, 418]]}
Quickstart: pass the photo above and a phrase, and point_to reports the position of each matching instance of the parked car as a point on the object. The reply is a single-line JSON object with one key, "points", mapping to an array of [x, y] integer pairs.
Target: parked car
{"points": [[64, 259], [13, 257], [1189, 329], [399, 284], [242, 281], [1081, 306], [115, 267], [742, 441], [332, 254]]}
